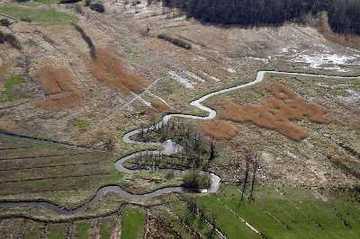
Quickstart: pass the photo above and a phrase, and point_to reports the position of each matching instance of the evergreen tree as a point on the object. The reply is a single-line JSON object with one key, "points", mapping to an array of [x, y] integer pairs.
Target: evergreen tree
{"points": [[344, 15]]}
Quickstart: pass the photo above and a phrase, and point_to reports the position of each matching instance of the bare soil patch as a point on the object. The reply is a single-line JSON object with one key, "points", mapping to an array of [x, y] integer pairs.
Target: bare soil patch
{"points": [[61, 92], [109, 69], [276, 112], [9, 125], [219, 129]]}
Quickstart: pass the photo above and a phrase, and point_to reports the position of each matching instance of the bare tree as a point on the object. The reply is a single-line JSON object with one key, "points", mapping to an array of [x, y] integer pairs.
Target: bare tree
{"points": [[212, 149], [245, 178], [255, 168]]}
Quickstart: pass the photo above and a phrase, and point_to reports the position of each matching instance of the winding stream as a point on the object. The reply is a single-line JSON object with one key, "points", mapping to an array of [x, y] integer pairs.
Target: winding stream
{"points": [[141, 198]]}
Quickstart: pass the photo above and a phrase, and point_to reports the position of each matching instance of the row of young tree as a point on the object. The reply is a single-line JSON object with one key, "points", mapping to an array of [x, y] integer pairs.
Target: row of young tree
{"points": [[344, 15]]}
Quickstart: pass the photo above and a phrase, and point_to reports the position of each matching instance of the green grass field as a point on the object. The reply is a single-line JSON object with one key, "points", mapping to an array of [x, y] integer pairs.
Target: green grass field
{"points": [[82, 230], [56, 231], [291, 215], [133, 223], [37, 14], [106, 229]]}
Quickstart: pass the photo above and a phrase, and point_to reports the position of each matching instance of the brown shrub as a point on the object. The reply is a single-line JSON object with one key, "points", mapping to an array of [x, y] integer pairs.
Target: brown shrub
{"points": [[3, 71], [276, 112], [109, 69], [219, 129], [159, 105], [60, 90]]}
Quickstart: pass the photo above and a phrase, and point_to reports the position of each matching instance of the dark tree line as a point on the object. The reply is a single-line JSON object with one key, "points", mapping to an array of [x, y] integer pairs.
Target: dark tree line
{"points": [[247, 12], [344, 15]]}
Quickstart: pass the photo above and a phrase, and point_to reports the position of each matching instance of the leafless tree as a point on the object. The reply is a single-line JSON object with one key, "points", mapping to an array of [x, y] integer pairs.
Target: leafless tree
{"points": [[245, 178], [255, 168]]}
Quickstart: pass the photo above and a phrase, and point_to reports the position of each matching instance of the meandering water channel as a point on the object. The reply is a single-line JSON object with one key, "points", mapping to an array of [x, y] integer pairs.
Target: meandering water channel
{"points": [[215, 180]]}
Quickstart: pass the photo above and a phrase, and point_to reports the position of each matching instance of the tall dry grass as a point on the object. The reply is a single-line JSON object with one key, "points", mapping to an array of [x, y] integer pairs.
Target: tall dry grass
{"points": [[60, 89], [108, 68], [276, 112]]}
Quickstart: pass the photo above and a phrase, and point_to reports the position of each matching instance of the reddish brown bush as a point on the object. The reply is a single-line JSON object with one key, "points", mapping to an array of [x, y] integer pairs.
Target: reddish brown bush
{"points": [[109, 69], [276, 112], [219, 129], [60, 90]]}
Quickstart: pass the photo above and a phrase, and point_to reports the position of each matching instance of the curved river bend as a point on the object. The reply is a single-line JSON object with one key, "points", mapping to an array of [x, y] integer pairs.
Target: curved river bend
{"points": [[140, 198]]}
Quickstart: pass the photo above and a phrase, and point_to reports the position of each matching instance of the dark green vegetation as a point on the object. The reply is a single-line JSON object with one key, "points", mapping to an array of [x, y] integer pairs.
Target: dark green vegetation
{"points": [[283, 213], [247, 12], [133, 220], [343, 15], [175, 41], [195, 180]]}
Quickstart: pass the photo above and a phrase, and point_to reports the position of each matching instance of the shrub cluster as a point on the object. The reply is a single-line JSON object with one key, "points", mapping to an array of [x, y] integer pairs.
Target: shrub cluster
{"points": [[195, 181], [95, 5], [10, 39], [175, 41]]}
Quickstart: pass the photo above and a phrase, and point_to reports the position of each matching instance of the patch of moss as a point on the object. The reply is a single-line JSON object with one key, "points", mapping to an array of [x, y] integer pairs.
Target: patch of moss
{"points": [[82, 124], [7, 93]]}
